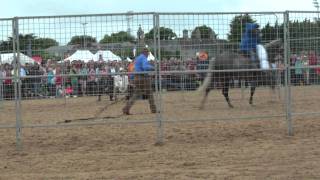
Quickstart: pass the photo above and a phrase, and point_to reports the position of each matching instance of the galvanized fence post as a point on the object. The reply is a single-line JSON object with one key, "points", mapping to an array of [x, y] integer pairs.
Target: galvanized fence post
{"points": [[17, 81], [158, 87], [287, 73], [1, 86]]}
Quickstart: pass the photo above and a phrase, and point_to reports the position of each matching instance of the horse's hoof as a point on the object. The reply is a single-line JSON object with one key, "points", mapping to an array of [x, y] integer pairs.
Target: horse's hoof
{"points": [[251, 101], [126, 112], [231, 106]]}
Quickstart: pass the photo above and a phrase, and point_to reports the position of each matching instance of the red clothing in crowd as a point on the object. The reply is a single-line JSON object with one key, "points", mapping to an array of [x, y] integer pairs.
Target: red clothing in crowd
{"points": [[58, 80], [312, 59]]}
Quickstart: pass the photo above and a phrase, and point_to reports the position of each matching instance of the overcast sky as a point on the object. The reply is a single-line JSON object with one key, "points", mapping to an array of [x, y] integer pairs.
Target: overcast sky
{"points": [[63, 29], [13, 8]]}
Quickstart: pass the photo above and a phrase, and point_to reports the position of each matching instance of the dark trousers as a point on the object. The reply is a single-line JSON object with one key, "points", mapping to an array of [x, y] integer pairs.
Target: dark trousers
{"points": [[142, 86]]}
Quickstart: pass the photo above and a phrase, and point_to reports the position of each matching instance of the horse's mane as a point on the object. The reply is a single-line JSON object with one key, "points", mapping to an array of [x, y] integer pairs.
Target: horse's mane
{"points": [[276, 42]]}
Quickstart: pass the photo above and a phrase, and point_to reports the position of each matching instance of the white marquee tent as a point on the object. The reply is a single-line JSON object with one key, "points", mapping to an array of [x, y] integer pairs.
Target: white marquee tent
{"points": [[83, 55], [107, 55], [9, 57]]}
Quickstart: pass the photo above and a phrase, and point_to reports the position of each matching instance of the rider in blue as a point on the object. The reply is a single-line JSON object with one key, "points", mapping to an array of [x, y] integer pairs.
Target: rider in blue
{"points": [[249, 41]]}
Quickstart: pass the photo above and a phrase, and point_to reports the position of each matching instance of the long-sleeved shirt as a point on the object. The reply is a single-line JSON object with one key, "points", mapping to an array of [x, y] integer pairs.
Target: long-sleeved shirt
{"points": [[141, 64]]}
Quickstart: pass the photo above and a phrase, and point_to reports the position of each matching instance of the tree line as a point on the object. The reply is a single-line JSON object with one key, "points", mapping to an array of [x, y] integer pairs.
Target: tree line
{"points": [[303, 35]]}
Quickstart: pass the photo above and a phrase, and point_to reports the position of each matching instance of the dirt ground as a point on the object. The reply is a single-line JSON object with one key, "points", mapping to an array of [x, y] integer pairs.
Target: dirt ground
{"points": [[249, 148]]}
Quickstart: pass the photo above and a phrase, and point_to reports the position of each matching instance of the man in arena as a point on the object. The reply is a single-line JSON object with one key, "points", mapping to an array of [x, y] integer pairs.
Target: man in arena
{"points": [[142, 82]]}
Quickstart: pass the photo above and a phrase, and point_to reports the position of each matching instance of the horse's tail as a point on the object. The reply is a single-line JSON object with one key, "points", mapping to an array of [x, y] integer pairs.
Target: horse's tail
{"points": [[207, 79], [205, 83]]}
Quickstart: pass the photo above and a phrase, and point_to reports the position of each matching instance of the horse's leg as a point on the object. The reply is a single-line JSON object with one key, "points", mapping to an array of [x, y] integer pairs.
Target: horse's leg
{"points": [[272, 83], [252, 90], [204, 99], [225, 92]]}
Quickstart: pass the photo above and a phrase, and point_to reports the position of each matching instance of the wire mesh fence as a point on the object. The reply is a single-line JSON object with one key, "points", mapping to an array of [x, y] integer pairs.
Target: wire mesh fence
{"points": [[97, 69], [6, 85], [304, 60]]}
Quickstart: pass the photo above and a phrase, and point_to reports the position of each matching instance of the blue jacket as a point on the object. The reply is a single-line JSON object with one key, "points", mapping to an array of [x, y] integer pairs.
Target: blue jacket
{"points": [[141, 64], [249, 40]]}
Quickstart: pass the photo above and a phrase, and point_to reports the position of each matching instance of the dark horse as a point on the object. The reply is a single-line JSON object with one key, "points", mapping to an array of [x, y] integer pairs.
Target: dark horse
{"points": [[231, 66], [113, 86], [105, 85]]}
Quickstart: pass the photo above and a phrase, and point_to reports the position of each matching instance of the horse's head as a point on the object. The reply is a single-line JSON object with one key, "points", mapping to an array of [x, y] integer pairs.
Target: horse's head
{"points": [[275, 50]]}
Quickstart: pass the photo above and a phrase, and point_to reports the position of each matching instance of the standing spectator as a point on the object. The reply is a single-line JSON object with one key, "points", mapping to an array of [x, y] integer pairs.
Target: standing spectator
{"points": [[36, 80], [293, 60], [24, 80], [102, 73], [130, 78], [58, 82], [131, 69], [91, 81], [51, 81], [74, 80], [318, 71], [312, 62], [83, 78], [299, 71], [2, 75], [305, 71], [142, 83], [8, 85]]}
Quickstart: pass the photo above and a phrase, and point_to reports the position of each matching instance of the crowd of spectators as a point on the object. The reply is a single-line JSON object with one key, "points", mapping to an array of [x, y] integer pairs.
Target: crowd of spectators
{"points": [[301, 75], [77, 78]]}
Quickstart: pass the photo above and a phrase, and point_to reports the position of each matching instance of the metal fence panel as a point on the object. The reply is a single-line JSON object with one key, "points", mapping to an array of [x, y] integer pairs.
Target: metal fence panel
{"points": [[198, 35], [79, 58], [68, 64], [304, 39], [7, 108]]}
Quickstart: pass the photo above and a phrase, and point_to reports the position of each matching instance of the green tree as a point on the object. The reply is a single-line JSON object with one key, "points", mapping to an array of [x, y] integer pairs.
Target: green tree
{"points": [[118, 37], [204, 32], [44, 43], [268, 32], [6, 46], [303, 35], [165, 34], [237, 27], [28, 44], [81, 39]]}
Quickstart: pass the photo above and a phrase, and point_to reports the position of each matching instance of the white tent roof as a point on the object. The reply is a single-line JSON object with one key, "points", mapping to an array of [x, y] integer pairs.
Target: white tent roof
{"points": [[83, 55], [107, 56], [9, 57]]}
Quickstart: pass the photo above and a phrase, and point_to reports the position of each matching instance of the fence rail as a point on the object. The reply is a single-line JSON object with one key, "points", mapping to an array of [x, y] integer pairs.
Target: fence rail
{"points": [[46, 60]]}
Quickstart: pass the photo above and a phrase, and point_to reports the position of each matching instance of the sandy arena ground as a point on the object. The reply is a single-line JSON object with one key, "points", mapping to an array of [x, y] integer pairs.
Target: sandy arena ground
{"points": [[256, 148]]}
